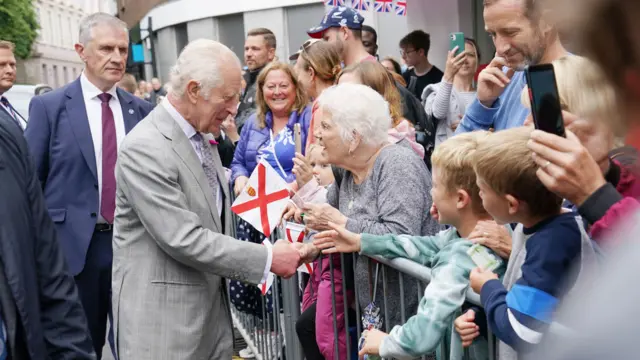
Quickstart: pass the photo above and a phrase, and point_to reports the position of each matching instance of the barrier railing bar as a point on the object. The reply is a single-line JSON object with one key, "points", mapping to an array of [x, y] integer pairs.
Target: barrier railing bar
{"points": [[291, 306], [333, 307], [263, 341], [356, 289], [384, 298], [420, 272], [276, 316], [403, 315], [345, 308]]}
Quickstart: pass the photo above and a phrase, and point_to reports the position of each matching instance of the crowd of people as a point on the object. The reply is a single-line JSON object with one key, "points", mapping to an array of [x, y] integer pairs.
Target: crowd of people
{"points": [[116, 195]]}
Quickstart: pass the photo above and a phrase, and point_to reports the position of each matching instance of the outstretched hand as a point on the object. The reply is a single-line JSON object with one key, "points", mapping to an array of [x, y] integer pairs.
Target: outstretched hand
{"points": [[285, 259], [337, 240]]}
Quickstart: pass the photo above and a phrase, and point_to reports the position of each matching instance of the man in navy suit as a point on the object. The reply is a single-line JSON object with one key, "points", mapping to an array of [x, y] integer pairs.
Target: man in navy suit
{"points": [[40, 312], [7, 78], [73, 134]]}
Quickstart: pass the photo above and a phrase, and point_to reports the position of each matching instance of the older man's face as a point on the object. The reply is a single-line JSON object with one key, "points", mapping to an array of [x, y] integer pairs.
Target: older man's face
{"points": [[105, 55], [222, 101], [7, 70]]}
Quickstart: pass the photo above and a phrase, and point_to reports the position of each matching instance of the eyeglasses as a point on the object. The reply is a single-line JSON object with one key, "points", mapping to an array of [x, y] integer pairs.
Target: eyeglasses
{"points": [[403, 53]]}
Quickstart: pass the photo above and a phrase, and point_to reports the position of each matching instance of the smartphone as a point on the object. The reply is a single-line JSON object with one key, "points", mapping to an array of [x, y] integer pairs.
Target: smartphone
{"points": [[456, 39], [545, 99], [297, 137]]}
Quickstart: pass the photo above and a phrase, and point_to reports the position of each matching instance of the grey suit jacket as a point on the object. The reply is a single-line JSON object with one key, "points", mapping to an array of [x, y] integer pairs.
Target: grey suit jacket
{"points": [[170, 254]]}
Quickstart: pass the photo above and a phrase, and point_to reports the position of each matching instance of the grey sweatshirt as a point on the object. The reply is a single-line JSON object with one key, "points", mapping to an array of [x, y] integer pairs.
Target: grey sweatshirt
{"points": [[394, 199]]}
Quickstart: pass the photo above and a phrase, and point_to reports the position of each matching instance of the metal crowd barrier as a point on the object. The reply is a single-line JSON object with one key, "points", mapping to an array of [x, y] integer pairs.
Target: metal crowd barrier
{"points": [[273, 336]]}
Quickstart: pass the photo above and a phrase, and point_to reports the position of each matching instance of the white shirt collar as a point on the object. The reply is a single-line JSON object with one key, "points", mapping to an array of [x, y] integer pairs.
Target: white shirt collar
{"points": [[187, 128], [90, 91]]}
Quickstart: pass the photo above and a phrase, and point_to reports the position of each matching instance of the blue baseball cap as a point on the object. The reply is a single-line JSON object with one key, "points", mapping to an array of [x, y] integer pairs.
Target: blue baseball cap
{"points": [[338, 17]]}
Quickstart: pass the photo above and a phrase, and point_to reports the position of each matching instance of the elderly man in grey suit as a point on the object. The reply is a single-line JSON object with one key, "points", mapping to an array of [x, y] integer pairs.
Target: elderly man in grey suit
{"points": [[170, 253]]}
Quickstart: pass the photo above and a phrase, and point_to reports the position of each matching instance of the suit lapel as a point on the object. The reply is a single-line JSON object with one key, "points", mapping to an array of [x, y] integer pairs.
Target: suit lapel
{"points": [[183, 148], [129, 112], [77, 112]]}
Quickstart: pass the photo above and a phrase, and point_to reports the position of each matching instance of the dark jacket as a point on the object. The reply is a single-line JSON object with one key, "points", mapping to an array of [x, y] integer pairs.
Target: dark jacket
{"points": [[253, 137], [50, 322], [226, 148], [248, 100], [413, 111], [156, 96]]}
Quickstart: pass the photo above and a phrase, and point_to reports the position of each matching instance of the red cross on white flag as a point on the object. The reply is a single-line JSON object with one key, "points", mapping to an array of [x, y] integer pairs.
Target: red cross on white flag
{"points": [[265, 286], [263, 199], [295, 233]]}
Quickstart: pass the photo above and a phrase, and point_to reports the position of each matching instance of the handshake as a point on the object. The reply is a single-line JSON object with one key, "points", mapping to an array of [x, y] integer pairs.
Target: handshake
{"points": [[287, 257]]}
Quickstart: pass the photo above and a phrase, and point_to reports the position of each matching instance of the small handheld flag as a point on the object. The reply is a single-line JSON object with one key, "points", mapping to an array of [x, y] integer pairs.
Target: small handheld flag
{"points": [[263, 200]]}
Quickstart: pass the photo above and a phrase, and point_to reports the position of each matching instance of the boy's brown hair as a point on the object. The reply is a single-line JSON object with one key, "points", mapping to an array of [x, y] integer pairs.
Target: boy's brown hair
{"points": [[454, 160], [503, 161]]}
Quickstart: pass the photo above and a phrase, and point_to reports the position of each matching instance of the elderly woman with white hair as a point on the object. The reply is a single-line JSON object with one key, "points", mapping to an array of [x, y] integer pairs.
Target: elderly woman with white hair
{"points": [[380, 188]]}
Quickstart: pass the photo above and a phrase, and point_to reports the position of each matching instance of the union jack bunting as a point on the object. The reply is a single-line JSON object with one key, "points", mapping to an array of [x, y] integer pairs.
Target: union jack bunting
{"points": [[401, 7], [362, 5], [383, 6], [334, 2]]}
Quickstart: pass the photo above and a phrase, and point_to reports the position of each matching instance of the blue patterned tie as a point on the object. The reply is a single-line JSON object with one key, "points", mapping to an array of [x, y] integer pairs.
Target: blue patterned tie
{"points": [[4, 353]]}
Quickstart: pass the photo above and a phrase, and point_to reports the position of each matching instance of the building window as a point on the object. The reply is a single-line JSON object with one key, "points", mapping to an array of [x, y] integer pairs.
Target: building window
{"points": [[75, 73], [72, 36], [56, 83], [65, 75], [48, 29], [63, 38], [44, 77]]}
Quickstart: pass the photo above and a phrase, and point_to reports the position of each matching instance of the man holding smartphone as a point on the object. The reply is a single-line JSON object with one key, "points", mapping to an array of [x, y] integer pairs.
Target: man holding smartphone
{"points": [[521, 38]]}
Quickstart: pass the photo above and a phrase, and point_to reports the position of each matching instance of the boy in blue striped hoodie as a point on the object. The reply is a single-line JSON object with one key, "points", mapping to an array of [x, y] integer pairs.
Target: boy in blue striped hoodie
{"points": [[548, 244], [456, 198]]}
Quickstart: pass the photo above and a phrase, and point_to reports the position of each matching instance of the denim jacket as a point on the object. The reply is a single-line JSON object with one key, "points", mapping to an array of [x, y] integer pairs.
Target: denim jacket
{"points": [[252, 137]]}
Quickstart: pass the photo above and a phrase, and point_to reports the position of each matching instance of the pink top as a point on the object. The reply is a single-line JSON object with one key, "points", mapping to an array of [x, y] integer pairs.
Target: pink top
{"points": [[404, 130]]}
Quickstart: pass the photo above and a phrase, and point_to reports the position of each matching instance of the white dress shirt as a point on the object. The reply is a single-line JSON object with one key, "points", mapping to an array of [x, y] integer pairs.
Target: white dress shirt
{"points": [[94, 113], [190, 132]]}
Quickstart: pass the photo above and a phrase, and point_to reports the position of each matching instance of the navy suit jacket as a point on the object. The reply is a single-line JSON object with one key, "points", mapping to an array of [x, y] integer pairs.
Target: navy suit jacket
{"points": [[60, 142], [52, 324]]}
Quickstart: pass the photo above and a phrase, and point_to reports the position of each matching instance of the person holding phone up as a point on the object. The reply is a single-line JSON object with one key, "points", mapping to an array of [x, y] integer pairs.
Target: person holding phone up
{"points": [[446, 102], [522, 37]]}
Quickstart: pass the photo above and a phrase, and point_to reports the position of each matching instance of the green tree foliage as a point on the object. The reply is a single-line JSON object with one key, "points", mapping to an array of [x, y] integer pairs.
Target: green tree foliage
{"points": [[18, 24]]}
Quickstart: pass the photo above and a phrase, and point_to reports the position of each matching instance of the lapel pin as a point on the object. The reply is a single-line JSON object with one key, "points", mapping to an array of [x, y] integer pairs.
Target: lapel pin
{"points": [[130, 111]]}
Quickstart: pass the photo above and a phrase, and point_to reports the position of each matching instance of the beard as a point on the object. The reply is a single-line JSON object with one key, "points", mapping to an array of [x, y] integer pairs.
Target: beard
{"points": [[535, 51]]}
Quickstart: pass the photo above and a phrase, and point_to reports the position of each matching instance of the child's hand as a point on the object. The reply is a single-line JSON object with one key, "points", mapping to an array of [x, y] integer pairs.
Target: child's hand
{"points": [[372, 341], [467, 328], [478, 277], [337, 240]]}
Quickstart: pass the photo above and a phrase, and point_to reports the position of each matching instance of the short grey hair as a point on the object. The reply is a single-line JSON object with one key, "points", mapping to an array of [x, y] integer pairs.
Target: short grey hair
{"points": [[356, 108], [89, 22], [200, 61]]}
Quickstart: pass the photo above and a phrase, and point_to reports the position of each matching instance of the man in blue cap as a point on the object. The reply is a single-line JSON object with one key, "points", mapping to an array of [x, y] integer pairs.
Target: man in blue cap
{"points": [[343, 27]]}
